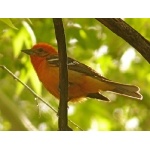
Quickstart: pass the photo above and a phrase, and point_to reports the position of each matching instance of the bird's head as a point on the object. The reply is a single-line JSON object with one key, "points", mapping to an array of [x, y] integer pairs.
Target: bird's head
{"points": [[39, 52]]}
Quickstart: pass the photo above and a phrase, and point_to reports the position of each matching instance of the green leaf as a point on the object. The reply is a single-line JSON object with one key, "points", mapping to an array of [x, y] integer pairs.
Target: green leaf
{"points": [[29, 21], [8, 22]]}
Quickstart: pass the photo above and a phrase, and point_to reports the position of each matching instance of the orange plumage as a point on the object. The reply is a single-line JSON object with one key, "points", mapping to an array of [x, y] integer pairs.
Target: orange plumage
{"points": [[83, 81]]}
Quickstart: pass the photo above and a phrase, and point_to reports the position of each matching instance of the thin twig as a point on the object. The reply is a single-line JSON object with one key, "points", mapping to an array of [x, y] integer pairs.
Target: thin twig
{"points": [[63, 75], [34, 94]]}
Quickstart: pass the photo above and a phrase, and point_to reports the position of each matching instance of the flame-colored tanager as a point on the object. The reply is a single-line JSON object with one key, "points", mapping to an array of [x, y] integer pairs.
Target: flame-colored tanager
{"points": [[82, 80]]}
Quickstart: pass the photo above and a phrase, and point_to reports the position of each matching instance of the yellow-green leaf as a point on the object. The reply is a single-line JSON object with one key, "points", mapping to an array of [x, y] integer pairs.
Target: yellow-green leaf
{"points": [[8, 22]]}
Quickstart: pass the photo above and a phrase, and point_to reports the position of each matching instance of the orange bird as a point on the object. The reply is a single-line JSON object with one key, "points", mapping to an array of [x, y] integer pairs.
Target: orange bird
{"points": [[82, 80]]}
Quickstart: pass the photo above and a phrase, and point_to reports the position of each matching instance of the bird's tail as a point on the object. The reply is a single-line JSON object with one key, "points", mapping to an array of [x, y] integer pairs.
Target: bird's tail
{"points": [[127, 90]]}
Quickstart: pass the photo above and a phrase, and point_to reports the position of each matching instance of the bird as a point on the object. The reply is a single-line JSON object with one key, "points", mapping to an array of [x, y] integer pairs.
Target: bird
{"points": [[83, 81]]}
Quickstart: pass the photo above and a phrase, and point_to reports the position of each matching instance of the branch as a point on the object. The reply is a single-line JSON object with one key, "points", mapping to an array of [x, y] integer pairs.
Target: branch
{"points": [[63, 75], [34, 94], [130, 35]]}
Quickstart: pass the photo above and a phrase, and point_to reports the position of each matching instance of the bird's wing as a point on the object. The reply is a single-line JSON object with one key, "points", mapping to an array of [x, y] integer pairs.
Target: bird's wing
{"points": [[76, 66]]}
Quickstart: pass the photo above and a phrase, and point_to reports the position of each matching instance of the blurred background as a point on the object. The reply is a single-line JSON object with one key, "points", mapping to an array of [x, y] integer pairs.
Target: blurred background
{"points": [[89, 42]]}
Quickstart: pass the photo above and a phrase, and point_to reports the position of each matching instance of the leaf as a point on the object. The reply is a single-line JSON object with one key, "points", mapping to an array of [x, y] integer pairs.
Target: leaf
{"points": [[8, 22], [29, 21]]}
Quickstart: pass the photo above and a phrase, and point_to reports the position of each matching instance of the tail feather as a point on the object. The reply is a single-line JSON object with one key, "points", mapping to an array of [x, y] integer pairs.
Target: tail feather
{"points": [[127, 90], [98, 96]]}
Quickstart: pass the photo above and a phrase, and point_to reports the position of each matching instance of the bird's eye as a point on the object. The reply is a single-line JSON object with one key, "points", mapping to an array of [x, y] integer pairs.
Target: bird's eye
{"points": [[40, 50]]}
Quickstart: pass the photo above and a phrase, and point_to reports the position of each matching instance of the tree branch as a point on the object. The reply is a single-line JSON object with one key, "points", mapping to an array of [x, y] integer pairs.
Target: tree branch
{"points": [[135, 39], [63, 75], [34, 94]]}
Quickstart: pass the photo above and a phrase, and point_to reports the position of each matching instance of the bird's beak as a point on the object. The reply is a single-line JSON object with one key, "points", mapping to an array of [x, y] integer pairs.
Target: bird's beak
{"points": [[28, 51]]}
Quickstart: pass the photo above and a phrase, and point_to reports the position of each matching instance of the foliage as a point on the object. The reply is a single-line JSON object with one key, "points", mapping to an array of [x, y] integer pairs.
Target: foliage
{"points": [[91, 43]]}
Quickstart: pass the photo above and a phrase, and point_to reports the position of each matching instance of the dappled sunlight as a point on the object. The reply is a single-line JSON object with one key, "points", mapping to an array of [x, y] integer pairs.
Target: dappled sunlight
{"points": [[90, 43], [71, 24], [94, 125], [73, 41], [132, 124], [127, 58], [99, 124], [71, 110], [42, 126], [42, 107], [101, 51]]}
